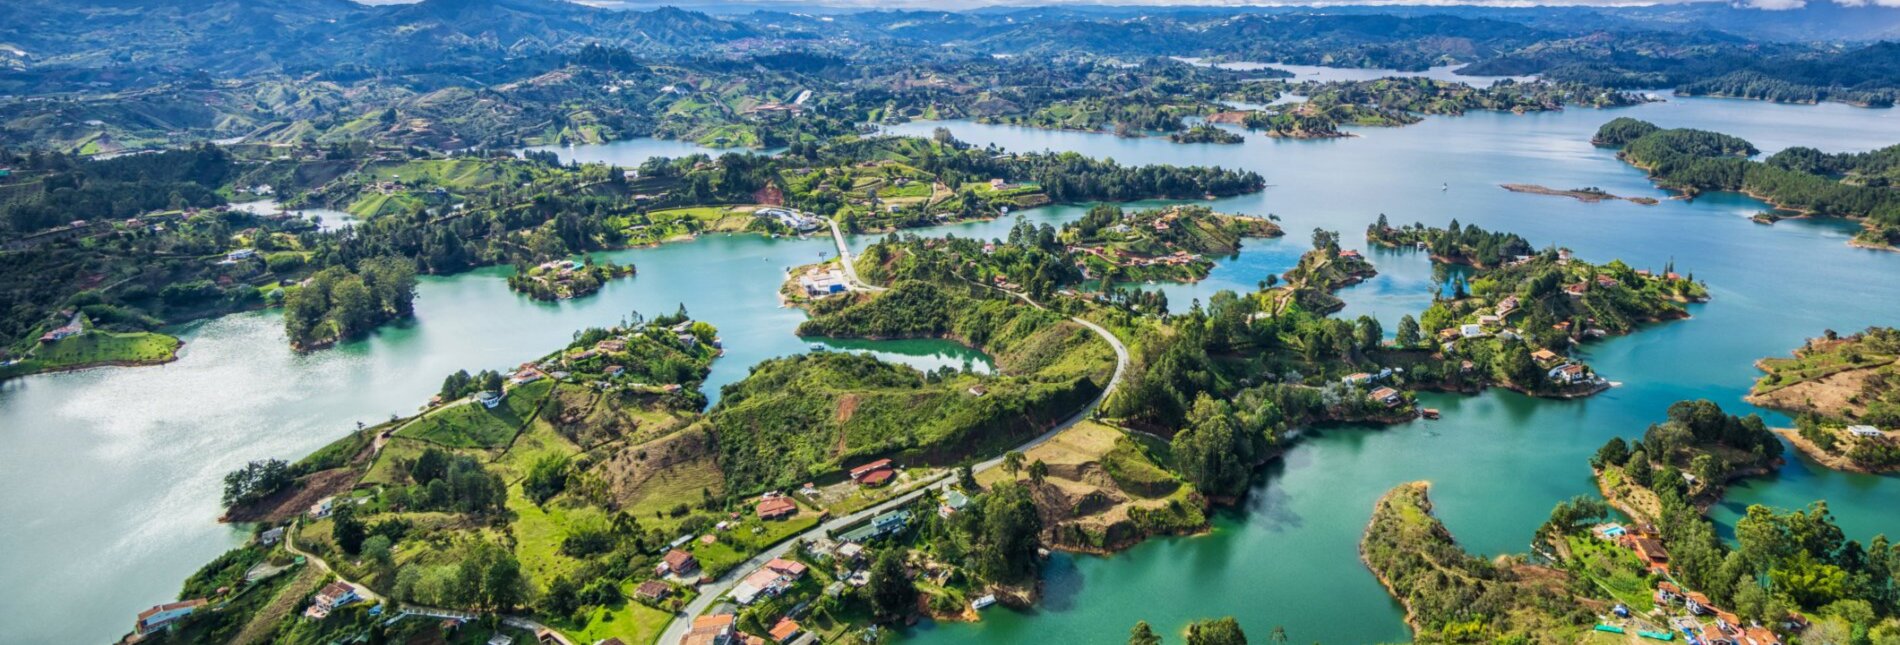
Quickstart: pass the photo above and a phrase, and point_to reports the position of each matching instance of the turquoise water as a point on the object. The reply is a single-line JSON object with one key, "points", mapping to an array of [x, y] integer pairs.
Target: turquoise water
{"points": [[114, 472], [1498, 461]]}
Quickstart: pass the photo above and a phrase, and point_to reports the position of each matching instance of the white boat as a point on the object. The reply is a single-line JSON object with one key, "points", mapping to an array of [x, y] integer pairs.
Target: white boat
{"points": [[984, 602]]}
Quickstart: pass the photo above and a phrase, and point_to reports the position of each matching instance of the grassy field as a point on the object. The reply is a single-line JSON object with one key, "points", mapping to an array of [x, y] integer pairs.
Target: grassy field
{"points": [[471, 425], [631, 622], [95, 348]]}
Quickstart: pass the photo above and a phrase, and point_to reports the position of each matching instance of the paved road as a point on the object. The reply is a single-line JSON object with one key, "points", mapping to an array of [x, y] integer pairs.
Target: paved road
{"points": [[850, 268], [710, 592]]}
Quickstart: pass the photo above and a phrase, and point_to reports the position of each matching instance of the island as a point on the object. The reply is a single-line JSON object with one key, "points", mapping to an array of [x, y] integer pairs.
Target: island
{"points": [[1206, 134], [1797, 182], [1522, 310], [565, 279], [1172, 244], [1588, 195], [1846, 393]]}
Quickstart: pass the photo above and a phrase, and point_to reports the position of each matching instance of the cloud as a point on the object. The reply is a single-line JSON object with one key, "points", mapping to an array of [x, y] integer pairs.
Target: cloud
{"points": [[1777, 5]]}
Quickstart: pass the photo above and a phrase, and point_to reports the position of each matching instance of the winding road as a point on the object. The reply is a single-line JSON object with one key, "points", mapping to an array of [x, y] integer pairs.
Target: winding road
{"points": [[710, 592]]}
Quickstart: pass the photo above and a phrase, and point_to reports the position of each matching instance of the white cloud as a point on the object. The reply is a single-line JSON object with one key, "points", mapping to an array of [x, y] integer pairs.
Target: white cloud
{"points": [[1777, 5]]}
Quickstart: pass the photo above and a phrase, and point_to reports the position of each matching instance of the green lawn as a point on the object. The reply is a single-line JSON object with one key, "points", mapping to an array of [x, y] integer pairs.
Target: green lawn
{"points": [[471, 425], [94, 348], [631, 622]]}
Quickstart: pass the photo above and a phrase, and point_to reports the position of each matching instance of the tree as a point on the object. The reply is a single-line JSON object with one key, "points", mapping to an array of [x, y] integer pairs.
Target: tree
{"points": [[893, 595], [256, 480], [1639, 469], [346, 529], [1615, 452], [1224, 631], [1367, 333], [1408, 331], [1013, 462], [546, 478], [1038, 471], [1213, 452], [1006, 539], [1142, 634], [376, 549]]}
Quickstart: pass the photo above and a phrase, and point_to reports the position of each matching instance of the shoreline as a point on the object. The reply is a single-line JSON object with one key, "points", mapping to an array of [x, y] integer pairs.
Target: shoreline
{"points": [[1830, 460]]}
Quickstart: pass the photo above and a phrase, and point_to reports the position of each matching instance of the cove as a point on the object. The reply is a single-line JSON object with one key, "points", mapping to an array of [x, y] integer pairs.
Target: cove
{"points": [[115, 472]]}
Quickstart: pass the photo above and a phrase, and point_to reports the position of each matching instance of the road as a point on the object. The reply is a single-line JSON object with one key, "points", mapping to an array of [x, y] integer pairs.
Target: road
{"points": [[844, 258], [713, 591]]}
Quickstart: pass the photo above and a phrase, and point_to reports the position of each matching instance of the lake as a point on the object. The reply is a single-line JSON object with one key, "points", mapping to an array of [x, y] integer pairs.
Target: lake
{"points": [[115, 472]]}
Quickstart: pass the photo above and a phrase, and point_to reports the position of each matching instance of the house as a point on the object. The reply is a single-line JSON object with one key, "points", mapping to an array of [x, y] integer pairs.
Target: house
{"points": [[1544, 356], [998, 184], [1489, 321], [270, 537], [614, 370], [1576, 290], [785, 630], [861, 472], [1865, 431], [337, 594], [160, 616], [1606, 281], [611, 345], [791, 570], [715, 629], [1386, 395], [240, 254], [777, 507], [321, 508], [333, 595], [488, 398], [764, 582], [953, 501], [1471, 330], [73, 327], [850, 551], [1569, 374], [1350, 254], [527, 374], [689, 341], [653, 591], [677, 562], [1506, 306], [880, 526], [877, 478], [1650, 550], [1357, 378]]}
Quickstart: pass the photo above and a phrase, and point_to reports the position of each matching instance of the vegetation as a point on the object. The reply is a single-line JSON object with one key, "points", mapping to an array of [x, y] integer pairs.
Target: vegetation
{"points": [[1453, 597], [562, 280], [785, 423], [338, 303], [1835, 381], [1801, 180], [1206, 134]]}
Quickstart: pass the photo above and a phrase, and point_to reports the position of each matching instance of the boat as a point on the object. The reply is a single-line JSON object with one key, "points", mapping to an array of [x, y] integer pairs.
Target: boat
{"points": [[1430, 413], [817, 347], [984, 602]]}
